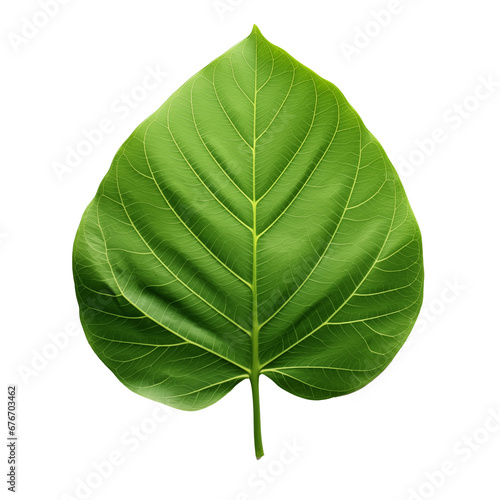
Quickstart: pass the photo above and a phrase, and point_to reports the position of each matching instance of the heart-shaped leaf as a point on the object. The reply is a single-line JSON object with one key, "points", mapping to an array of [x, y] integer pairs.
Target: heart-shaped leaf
{"points": [[252, 225]]}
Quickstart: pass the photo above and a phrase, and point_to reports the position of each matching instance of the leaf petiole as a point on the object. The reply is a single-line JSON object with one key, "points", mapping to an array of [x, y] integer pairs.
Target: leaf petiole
{"points": [[257, 433]]}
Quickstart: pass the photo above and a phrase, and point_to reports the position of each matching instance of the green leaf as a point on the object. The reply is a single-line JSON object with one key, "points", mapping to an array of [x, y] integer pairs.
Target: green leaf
{"points": [[252, 225]]}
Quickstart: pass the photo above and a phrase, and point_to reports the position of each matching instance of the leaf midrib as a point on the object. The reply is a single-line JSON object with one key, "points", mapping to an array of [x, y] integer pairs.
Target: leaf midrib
{"points": [[255, 366]]}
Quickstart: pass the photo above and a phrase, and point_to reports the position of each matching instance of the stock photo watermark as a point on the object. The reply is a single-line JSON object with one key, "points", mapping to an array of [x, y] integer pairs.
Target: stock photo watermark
{"points": [[437, 306], [31, 26], [453, 118], [43, 356], [121, 109], [130, 441], [365, 33], [462, 451], [271, 470], [12, 454], [223, 7]]}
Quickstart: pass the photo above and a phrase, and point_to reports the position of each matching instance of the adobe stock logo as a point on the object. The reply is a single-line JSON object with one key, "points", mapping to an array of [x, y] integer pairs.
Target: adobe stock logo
{"points": [[463, 450], [433, 309], [365, 34], [121, 109], [223, 7], [42, 357], [131, 440], [31, 27], [453, 118], [272, 468]]}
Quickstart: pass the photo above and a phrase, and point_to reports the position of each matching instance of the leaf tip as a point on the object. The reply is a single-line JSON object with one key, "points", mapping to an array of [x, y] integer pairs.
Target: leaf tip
{"points": [[256, 31]]}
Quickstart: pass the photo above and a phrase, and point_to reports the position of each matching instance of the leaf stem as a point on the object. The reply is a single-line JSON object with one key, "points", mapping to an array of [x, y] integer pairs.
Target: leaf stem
{"points": [[257, 433]]}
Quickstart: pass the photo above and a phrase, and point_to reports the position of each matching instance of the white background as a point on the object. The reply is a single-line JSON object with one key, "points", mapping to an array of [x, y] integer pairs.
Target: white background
{"points": [[432, 405]]}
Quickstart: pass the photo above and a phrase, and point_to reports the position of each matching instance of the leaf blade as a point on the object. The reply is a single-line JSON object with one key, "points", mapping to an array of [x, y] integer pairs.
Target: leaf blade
{"points": [[251, 225]]}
